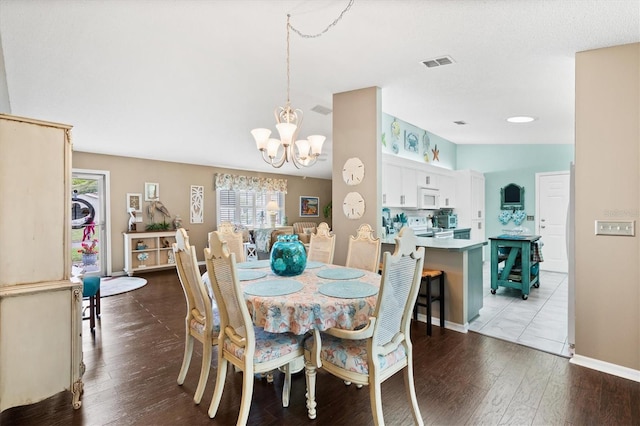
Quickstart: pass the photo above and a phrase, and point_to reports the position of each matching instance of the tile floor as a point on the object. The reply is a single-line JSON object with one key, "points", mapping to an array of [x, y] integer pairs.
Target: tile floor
{"points": [[540, 322]]}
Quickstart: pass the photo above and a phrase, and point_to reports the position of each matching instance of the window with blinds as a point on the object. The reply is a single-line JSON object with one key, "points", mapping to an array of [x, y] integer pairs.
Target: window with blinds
{"points": [[248, 208]]}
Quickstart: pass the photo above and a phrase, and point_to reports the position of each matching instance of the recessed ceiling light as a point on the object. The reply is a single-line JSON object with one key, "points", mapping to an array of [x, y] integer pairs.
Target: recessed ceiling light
{"points": [[520, 119]]}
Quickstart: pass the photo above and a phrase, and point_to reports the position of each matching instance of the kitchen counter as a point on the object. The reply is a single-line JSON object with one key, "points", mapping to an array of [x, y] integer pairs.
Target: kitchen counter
{"points": [[461, 261]]}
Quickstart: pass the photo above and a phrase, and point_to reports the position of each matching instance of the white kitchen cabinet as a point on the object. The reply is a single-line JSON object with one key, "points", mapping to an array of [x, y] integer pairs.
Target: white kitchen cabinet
{"points": [[427, 178], [399, 187], [447, 186], [155, 246], [40, 308], [391, 184]]}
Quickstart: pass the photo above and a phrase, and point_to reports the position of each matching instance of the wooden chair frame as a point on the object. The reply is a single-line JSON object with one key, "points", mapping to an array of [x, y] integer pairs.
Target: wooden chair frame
{"points": [[238, 328], [322, 245], [396, 268], [364, 250], [199, 321]]}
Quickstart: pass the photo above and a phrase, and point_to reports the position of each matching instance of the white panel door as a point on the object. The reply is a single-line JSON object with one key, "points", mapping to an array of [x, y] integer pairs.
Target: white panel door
{"points": [[552, 202]]}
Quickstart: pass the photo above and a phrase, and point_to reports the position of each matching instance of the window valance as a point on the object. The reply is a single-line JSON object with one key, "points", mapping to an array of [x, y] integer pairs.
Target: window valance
{"points": [[248, 183]]}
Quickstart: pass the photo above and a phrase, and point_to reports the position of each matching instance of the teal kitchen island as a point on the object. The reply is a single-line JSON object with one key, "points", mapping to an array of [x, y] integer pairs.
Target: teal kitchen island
{"points": [[461, 261]]}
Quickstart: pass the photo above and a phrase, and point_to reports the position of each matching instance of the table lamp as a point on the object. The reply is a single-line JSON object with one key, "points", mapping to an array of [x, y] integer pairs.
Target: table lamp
{"points": [[272, 209]]}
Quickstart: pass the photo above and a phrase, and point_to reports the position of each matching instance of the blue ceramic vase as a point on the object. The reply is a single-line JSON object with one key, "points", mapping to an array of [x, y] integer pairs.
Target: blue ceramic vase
{"points": [[288, 256]]}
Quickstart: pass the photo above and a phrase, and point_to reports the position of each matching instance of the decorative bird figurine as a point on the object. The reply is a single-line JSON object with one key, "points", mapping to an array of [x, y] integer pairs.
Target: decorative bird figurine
{"points": [[157, 205]]}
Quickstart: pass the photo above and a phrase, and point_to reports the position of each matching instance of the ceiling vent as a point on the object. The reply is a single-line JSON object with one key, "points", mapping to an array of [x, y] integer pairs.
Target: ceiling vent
{"points": [[321, 110], [460, 122], [436, 62]]}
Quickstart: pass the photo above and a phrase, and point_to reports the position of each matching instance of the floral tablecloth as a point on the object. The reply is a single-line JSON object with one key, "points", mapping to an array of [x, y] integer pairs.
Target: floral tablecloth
{"points": [[307, 309]]}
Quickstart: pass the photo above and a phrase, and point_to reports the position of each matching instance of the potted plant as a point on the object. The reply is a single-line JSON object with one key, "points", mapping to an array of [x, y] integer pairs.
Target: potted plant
{"points": [[89, 252]]}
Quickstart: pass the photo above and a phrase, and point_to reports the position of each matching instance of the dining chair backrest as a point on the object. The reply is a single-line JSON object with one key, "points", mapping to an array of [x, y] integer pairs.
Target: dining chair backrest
{"points": [[364, 250], [234, 314], [322, 245], [399, 286], [202, 319], [235, 240], [198, 300]]}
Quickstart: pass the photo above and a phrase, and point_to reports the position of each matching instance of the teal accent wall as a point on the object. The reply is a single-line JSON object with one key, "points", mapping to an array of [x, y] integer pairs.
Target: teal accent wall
{"points": [[505, 164], [408, 141]]}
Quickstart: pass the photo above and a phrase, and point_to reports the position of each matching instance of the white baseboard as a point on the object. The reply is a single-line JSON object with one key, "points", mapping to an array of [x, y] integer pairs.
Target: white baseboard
{"points": [[435, 321], [606, 367]]}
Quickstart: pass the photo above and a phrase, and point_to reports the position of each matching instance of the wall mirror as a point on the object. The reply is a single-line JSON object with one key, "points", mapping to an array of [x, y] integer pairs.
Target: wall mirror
{"points": [[512, 197]]}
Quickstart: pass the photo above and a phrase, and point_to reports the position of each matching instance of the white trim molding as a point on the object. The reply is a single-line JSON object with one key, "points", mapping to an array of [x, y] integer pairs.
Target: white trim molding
{"points": [[606, 367]]}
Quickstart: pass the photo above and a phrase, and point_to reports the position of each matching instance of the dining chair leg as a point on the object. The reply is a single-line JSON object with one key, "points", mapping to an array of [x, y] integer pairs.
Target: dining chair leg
{"points": [[411, 392], [247, 394], [310, 375], [217, 392], [286, 388], [375, 395], [186, 359], [204, 372]]}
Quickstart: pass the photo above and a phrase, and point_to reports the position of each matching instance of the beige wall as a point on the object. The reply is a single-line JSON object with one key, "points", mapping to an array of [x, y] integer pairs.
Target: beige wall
{"points": [[356, 131], [175, 180], [607, 188]]}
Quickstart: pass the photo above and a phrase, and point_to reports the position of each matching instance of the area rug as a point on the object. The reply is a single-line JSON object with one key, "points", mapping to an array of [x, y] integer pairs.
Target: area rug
{"points": [[117, 285]]}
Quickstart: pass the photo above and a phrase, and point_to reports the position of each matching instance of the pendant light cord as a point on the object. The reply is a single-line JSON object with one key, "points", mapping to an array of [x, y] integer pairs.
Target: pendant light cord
{"points": [[335, 21], [295, 30]]}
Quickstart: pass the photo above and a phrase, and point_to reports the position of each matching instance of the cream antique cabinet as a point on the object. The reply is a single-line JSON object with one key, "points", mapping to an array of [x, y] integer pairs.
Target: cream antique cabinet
{"points": [[147, 251], [40, 308]]}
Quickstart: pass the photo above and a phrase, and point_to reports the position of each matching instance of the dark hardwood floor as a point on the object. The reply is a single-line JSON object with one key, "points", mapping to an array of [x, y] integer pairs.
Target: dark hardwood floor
{"points": [[134, 358]]}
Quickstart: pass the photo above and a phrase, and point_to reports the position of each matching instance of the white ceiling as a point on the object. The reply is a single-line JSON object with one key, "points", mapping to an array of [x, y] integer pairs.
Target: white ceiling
{"points": [[186, 81]]}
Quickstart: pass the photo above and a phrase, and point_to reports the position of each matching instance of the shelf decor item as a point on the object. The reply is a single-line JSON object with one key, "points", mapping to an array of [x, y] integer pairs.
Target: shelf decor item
{"points": [[288, 256], [142, 257]]}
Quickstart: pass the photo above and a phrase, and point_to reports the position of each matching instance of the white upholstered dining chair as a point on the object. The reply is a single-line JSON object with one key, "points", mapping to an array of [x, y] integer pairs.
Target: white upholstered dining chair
{"points": [[364, 250], [235, 240], [322, 244], [202, 321], [370, 355], [250, 349]]}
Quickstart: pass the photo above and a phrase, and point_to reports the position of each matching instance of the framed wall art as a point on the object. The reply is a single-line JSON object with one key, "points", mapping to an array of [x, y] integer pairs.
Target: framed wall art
{"points": [[151, 191], [134, 203], [196, 208], [309, 206]]}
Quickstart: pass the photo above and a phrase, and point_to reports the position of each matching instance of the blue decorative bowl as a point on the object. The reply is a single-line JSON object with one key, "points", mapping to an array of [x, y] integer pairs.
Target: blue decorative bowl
{"points": [[288, 256]]}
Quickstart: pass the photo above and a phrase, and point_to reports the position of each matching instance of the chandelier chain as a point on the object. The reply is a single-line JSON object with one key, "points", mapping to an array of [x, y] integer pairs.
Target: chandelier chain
{"points": [[335, 21]]}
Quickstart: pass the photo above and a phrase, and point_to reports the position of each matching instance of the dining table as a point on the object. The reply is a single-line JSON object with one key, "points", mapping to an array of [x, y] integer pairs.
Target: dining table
{"points": [[324, 296]]}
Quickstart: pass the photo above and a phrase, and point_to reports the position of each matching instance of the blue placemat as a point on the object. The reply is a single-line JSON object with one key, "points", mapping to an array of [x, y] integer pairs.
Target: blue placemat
{"points": [[313, 264], [273, 287], [254, 265], [248, 275], [340, 273], [348, 289]]}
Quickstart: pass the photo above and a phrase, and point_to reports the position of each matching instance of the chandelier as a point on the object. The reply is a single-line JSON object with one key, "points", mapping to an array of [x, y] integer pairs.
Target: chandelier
{"points": [[301, 152]]}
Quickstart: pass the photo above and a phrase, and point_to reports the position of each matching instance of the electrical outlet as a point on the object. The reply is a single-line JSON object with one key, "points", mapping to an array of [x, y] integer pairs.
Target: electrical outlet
{"points": [[623, 228], [530, 218]]}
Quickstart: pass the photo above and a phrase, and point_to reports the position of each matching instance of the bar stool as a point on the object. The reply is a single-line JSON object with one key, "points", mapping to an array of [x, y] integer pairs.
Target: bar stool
{"points": [[91, 290], [427, 276]]}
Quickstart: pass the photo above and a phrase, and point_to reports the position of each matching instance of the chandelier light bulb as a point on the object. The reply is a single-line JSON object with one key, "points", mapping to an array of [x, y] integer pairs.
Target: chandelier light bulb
{"points": [[262, 137]]}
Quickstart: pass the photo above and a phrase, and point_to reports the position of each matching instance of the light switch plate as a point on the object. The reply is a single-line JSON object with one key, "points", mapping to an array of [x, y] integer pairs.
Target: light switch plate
{"points": [[619, 228]]}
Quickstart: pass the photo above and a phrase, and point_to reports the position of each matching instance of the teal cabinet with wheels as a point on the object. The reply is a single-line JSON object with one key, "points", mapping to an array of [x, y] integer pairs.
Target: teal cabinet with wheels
{"points": [[513, 264]]}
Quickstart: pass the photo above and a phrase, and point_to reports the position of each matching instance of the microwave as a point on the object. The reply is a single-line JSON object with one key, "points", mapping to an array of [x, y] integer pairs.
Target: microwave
{"points": [[428, 199]]}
